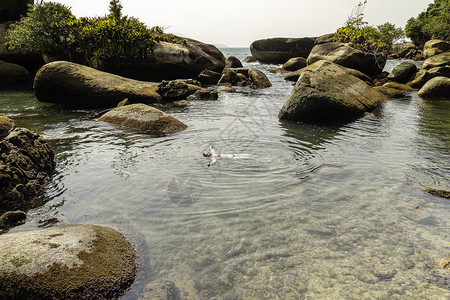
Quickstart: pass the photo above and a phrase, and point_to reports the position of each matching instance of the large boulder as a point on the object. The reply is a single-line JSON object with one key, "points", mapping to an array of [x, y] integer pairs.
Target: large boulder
{"points": [[66, 262], [402, 49], [294, 64], [439, 60], [326, 38], [280, 50], [12, 10], [348, 57], [295, 75], [26, 163], [144, 118], [327, 92], [26, 58], [436, 88], [403, 72], [80, 86], [434, 47], [185, 59], [11, 74]]}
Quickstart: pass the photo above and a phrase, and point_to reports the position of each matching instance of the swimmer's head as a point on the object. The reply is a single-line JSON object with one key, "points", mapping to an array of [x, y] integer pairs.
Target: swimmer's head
{"points": [[207, 154]]}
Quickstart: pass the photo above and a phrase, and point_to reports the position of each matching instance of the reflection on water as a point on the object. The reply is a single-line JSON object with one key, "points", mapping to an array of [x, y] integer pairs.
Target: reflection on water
{"points": [[319, 212]]}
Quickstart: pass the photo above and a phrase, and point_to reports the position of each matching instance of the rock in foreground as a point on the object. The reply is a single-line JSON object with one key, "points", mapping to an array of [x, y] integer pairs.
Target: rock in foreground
{"points": [[348, 57], [280, 50], [80, 86], [26, 163], [66, 262], [144, 118], [327, 92]]}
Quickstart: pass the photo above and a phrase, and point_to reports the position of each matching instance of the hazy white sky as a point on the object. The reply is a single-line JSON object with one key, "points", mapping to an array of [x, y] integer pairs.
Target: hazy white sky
{"points": [[240, 22]]}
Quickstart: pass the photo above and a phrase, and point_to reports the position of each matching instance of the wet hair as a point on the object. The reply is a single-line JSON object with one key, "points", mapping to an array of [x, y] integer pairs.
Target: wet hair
{"points": [[207, 154]]}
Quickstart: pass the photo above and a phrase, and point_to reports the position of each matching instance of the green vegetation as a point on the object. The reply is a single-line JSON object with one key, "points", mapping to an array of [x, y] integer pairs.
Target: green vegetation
{"points": [[434, 23], [358, 34], [51, 28]]}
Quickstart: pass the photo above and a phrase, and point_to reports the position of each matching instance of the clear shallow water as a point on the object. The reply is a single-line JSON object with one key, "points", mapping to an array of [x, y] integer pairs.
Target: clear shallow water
{"points": [[319, 212]]}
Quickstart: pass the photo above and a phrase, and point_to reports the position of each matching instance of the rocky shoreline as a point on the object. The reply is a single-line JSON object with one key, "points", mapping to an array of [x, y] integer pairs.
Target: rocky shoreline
{"points": [[333, 83]]}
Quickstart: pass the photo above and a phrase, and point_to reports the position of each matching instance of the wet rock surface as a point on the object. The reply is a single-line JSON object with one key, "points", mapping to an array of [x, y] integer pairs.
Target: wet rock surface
{"points": [[26, 164], [66, 262], [161, 290], [143, 118]]}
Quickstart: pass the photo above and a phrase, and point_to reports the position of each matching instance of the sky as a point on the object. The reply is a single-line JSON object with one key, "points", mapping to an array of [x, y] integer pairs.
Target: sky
{"points": [[237, 23]]}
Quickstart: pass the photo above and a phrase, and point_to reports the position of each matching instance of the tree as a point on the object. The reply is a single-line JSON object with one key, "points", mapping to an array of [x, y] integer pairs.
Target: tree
{"points": [[434, 23]]}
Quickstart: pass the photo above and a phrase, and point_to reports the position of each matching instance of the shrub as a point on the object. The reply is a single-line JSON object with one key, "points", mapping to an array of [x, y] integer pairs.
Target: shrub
{"points": [[359, 35], [434, 23], [50, 28]]}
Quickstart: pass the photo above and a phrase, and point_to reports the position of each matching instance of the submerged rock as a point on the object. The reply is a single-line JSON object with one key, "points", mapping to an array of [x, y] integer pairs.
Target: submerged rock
{"points": [[294, 64], [204, 94], [12, 74], [436, 88], [66, 262], [328, 92], [26, 163], [144, 118], [80, 86], [348, 57], [161, 290], [439, 193], [280, 50], [403, 72]]}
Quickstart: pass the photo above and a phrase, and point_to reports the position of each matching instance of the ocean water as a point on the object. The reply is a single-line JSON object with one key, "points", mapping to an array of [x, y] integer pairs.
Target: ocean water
{"points": [[317, 212]]}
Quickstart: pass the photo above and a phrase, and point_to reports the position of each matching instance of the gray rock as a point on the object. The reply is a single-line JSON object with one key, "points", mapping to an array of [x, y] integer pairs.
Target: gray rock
{"points": [[249, 59], [26, 163], [161, 290], [434, 47], [209, 77], [322, 94], [143, 118], [295, 75], [436, 88], [401, 50], [173, 90], [326, 38], [420, 78], [403, 72], [439, 60], [280, 50], [232, 62], [66, 262], [294, 64], [348, 57], [12, 74], [258, 78], [80, 86], [245, 77], [204, 94], [390, 92]]}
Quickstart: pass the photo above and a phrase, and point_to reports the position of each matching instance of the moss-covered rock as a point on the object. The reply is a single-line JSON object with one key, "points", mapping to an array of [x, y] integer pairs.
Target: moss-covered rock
{"points": [[6, 125], [160, 290], [436, 88], [26, 163], [439, 193], [80, 86], [204, 94], [390, 92], [403, 72], [144, 118], [280, 50], [66, 262], [326, 92], [12, 218], [348, 57], [294, 64]]}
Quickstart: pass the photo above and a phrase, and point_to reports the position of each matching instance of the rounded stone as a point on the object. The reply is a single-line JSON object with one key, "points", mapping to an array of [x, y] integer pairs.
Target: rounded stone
{"points": [[436, 88], [66, 262]]}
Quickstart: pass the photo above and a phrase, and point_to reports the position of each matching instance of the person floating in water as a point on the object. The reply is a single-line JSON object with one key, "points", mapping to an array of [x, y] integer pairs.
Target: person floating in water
{"points": [[215, 155]]}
